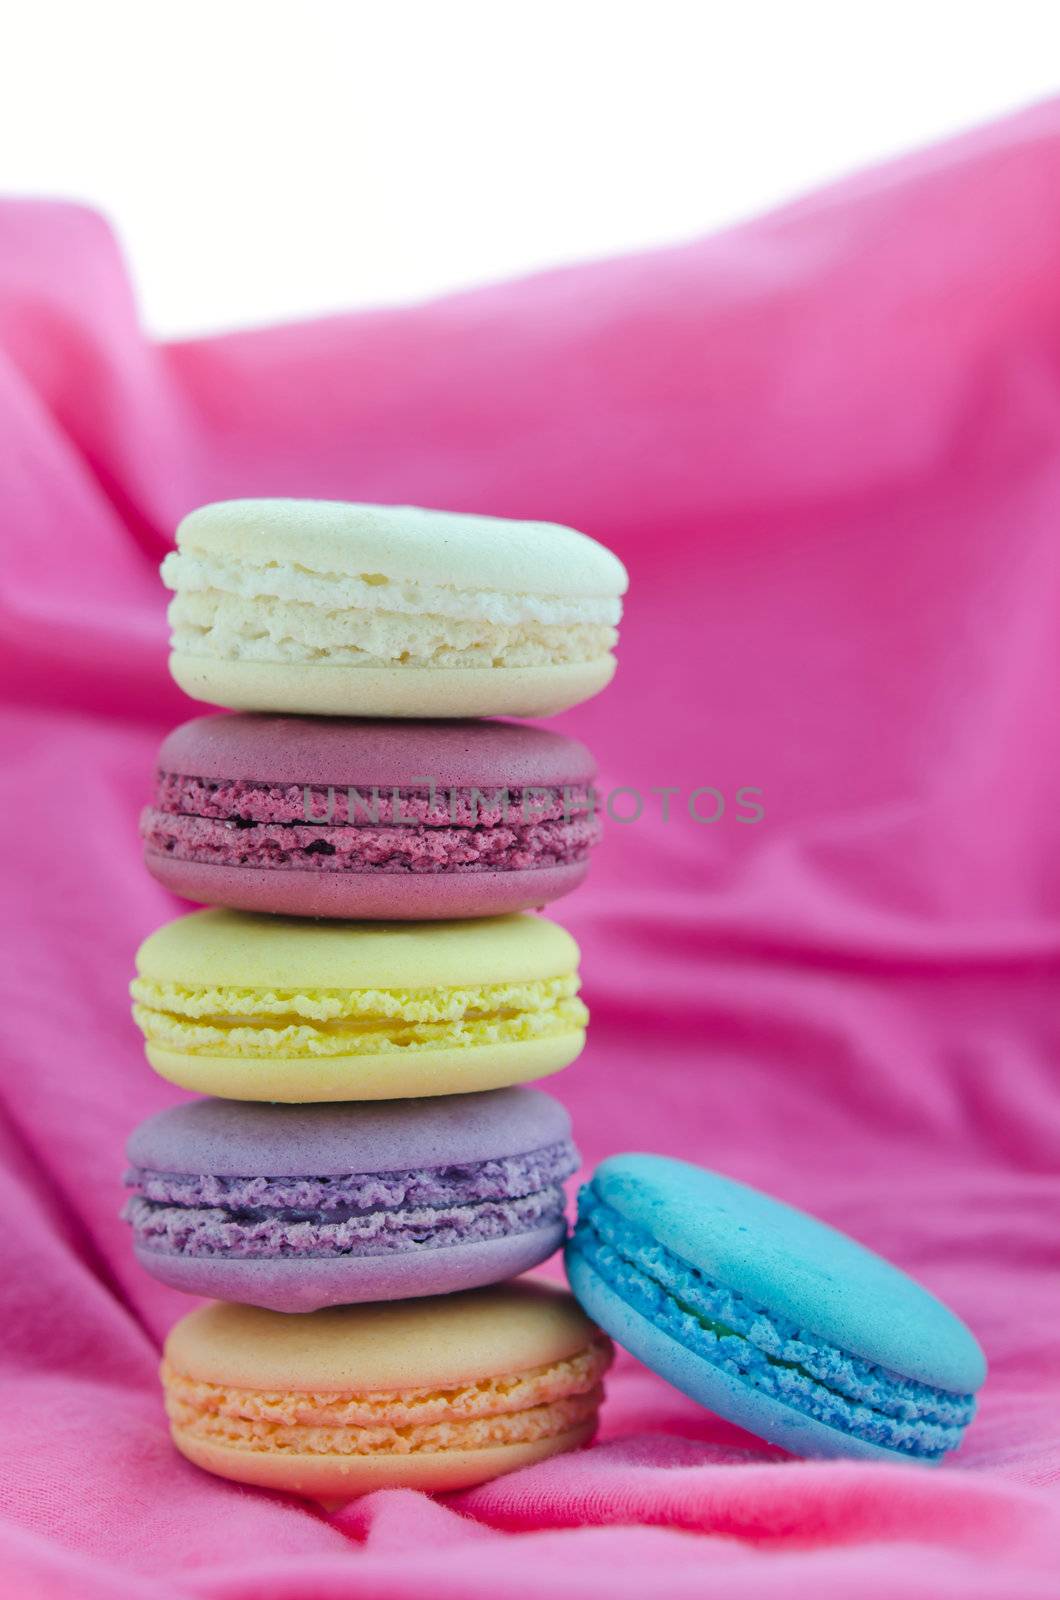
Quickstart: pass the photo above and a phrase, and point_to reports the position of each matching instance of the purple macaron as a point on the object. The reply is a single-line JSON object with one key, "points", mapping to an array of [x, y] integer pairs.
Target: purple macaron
{"points": [[329, 817], [298, 1207]]}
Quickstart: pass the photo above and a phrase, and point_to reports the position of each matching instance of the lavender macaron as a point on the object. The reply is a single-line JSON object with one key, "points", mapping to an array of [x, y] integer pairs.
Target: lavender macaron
{"points": [[303, 1206], [399, 821]]}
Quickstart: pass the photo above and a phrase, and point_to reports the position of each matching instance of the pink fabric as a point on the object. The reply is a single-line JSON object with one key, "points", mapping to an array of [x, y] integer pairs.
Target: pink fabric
{"points": [[828, 447]]}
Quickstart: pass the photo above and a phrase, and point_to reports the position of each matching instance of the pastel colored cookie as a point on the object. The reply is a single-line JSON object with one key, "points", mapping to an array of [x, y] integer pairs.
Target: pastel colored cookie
{"points": [[770, 1318], [298, 1207], [388, 611], [321, 817], [272, 1008], [430, 1394]]}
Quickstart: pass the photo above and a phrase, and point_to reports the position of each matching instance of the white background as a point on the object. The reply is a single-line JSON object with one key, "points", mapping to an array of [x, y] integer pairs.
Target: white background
{"points": [[266, 160]]}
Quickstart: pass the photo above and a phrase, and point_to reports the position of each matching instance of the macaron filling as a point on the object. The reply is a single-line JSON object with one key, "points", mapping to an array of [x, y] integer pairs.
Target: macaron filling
{"points": [[280, 612], [516, 1408], [368, 1214], [765, 1350], [464, 829], [234, 1021]]}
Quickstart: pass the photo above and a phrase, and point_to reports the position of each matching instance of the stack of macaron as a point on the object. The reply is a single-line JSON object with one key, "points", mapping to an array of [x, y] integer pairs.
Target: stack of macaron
{"points": [[362, 1007], [369, 992]]}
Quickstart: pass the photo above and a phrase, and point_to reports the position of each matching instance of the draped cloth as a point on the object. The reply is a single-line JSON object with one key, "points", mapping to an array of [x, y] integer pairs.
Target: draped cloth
{"points": [[827, 446]]}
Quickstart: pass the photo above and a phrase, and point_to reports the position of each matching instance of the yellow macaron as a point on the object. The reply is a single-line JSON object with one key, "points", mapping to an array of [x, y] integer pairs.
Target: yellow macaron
{"points": [[253, 1007], [430, 1394]]}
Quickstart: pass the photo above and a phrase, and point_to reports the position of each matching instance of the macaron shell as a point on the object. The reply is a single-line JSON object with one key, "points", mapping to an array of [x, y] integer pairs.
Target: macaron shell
{"points": [[373, 1349], [220, 947], [301, 1285], [340, 1477], [367, 896], [455, 549], [394, 1076], [310, 689], [223, 1138], [794, 1266], [737, 1402], [362, 753]]}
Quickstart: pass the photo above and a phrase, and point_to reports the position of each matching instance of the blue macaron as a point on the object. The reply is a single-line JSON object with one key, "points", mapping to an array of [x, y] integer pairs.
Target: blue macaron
{"points": [[770, 1318]]}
